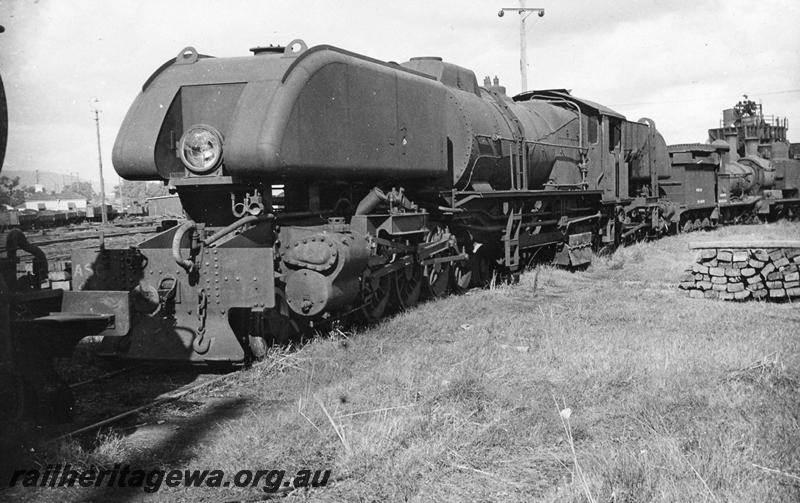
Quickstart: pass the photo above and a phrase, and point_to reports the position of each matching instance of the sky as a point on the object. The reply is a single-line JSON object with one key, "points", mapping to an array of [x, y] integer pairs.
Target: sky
{"points": [[678, 62]]}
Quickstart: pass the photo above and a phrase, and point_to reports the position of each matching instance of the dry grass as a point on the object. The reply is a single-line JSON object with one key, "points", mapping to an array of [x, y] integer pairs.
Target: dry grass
{"points": [[671, 399]]}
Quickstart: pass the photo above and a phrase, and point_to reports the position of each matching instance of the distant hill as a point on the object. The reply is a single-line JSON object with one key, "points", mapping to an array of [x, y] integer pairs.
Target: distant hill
{"points": [[51, 181]]}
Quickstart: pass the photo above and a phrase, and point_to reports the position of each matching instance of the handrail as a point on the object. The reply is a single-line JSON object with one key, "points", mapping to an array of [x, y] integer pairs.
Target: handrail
{"points": [[190, 226], [187, 263], [247, 219]]}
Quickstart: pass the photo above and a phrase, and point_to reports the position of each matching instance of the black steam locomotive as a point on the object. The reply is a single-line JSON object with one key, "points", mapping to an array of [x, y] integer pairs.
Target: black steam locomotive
{"points": [[397, 181], [319, 183]]}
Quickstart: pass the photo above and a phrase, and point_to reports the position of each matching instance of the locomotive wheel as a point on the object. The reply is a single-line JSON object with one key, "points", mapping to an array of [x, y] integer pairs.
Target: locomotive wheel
{"points": [[462, 275], [257, 344], [274, 327], [483, 267], [407, 286], [437, 276], [282, 329], [438, 279], [375, 293]]}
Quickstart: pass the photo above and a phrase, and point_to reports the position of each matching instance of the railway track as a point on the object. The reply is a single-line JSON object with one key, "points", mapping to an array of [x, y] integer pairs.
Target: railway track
{"points": [[72, 236], [102, 377], [117, 407], [57, 253]]}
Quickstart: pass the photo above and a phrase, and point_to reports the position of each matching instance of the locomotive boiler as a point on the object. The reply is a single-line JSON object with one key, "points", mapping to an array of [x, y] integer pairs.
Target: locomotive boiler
{"points": [[319, 183]]}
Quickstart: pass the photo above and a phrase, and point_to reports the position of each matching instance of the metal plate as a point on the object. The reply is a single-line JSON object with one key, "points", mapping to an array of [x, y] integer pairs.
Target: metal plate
{"points": [[93, 303]]}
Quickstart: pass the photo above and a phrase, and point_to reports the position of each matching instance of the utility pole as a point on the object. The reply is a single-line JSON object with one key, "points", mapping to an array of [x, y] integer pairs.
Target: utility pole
{"points": [[523, 12], [100, 163]]}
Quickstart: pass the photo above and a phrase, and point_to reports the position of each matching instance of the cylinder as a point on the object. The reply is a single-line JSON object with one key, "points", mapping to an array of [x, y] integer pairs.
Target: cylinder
{"points": [[323, 268]]}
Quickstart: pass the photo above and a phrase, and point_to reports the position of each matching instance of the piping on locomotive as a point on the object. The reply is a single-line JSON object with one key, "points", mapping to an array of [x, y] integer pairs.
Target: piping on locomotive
{"points": [[318, 182]]}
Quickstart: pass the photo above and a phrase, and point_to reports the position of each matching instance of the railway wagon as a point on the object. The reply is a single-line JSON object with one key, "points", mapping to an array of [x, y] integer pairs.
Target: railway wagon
{"points": [[9, 219]]}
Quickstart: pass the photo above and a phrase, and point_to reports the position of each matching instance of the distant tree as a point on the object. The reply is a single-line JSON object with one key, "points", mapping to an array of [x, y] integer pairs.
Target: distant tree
{"points": [[7, 186], [82, 188], [18, 196]]}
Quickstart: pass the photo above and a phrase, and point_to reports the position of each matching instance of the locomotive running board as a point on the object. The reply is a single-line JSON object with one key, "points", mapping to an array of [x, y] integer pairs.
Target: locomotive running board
{"points": [[461, 198]]}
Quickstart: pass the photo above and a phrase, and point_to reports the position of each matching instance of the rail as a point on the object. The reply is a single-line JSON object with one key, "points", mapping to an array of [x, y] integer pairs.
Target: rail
{"points": [[165, 398]]}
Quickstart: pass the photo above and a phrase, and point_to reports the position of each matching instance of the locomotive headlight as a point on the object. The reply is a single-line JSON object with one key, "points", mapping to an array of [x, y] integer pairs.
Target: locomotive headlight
{"points": [[201, 149]]}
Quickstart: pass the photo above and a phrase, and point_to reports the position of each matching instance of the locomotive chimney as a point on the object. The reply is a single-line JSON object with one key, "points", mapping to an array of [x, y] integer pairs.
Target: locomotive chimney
{"points": [[494, 86], [751, 145]]}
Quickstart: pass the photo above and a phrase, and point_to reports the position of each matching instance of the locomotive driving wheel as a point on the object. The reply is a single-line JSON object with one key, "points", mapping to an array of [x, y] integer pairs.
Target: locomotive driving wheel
{"points": [[408, 286], [438, 279], [484, 267], [437, 275], [462, 274], [375, 293]]}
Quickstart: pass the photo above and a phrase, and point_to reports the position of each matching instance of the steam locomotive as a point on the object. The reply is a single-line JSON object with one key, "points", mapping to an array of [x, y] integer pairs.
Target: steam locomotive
{"points": [[320, 184], [398, 181]]}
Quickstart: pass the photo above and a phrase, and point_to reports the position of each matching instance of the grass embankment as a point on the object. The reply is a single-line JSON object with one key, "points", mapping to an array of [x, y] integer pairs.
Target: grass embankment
{"points": [[671, 399]]}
